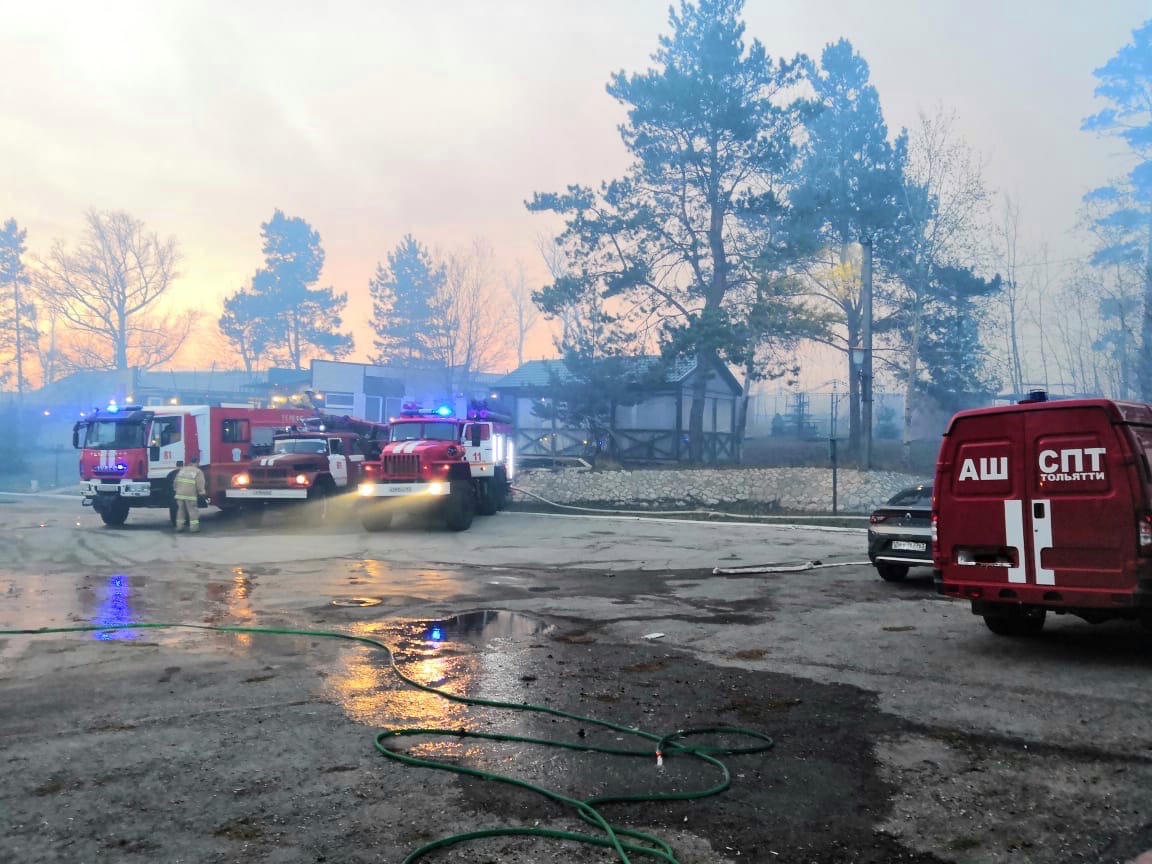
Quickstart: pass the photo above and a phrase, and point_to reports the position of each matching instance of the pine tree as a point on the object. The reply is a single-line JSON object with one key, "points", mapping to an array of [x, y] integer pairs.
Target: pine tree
{"points": [[18, 333], [406, 296], [1126, 83], [285, 314]]}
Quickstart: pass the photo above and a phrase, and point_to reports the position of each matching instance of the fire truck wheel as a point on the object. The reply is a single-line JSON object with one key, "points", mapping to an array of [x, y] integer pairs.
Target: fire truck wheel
{"points": [[114, 512], [489, 502], [1028, 622], [892, 572], [461, 506], [375, 519], [501, 488]]}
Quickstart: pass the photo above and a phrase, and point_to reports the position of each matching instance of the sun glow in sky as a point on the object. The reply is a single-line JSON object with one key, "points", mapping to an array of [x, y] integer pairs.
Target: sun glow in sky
{"points": [[379, 118]]}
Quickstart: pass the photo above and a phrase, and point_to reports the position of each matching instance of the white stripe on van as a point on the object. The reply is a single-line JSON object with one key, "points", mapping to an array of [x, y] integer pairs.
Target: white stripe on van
{"points": [[1014, 537], [1041, 540]]}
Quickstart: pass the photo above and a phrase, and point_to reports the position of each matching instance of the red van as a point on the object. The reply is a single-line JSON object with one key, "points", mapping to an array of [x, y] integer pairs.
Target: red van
{"points": [[1046, 506]]}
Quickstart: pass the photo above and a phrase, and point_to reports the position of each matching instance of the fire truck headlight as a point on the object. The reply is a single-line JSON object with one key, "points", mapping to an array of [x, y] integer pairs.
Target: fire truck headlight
{"points": [[366, 490], [301, 479], [435, 488], [241, 479]]}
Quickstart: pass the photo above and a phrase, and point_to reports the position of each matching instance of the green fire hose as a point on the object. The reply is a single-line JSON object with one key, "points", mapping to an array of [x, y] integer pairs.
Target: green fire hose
{"points": [[624, 841]]}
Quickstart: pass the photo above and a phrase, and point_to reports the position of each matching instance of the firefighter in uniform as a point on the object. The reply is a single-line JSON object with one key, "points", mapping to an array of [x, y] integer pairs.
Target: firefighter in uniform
{"points": [[189, 488]]}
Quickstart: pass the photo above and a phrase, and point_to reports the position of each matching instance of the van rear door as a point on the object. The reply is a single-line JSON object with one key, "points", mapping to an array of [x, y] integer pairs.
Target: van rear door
{"points": [[979, 491], [1080, 518]]}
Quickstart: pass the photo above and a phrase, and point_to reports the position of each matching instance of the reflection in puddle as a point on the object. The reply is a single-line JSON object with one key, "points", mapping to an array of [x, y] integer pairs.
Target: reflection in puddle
{"points": [[114, 610], [441, 654], [231, 604], [370, 693], [485, 625]]}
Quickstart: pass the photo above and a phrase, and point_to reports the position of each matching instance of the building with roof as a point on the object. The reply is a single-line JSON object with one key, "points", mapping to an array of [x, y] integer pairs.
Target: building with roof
{"points": [[377, 393], [654, 428]]}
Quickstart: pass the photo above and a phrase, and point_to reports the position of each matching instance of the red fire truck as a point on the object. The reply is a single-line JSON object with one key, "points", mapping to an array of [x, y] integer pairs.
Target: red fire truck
{"points": [[322, 457], [436, 462], [1046, 506], [129, 455]]}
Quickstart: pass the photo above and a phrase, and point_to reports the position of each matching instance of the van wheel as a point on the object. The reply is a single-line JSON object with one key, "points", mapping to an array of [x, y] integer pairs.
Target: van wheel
{"points": [[1028, 622], [461, 506], [892, 572]]}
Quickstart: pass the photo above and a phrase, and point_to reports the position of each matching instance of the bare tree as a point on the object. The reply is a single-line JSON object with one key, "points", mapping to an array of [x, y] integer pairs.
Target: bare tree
{"points": [[1012, 298], [47, 346], [106, 291], [468, 333], [834, 275], [1043, 289], [946, 204], [525, 313]]}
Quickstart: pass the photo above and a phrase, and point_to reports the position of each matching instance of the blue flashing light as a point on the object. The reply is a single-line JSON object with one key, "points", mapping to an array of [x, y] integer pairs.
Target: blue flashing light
{"points": [[436, 635], [444, 411], [113, 407]]}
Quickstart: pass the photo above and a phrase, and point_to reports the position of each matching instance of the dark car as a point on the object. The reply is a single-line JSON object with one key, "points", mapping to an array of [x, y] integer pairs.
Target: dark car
{"points": [[900, 533]]}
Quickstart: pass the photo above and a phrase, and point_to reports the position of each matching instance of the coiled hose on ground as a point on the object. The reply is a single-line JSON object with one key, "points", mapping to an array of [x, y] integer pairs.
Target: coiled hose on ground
{"points": [[625, 842]]}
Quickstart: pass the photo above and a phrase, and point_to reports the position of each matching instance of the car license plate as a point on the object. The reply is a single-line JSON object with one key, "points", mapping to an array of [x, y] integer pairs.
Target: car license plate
{"points": [[909, 546]]}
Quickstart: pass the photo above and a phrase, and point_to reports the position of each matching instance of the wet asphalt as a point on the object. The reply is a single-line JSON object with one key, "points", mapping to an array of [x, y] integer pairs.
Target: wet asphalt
{"points": [[889, 708]]}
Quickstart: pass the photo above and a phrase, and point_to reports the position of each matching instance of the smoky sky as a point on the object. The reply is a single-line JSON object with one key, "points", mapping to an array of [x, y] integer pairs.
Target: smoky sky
{"points": [[376, 119]]}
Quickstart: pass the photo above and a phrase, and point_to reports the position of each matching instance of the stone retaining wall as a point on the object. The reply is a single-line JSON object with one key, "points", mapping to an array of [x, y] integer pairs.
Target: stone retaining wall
{"points": [[807, 490]]}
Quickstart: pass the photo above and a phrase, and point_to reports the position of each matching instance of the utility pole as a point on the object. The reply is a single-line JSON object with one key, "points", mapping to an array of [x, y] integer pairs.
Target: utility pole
{"points": [[866, 364]]}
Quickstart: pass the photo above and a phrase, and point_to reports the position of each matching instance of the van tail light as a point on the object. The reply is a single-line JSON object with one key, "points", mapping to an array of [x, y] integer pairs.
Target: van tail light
{"points": [[1144, 533]]}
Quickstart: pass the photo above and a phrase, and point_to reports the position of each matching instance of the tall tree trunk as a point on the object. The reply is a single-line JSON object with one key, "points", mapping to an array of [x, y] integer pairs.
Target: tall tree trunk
{"points": [[696, 411], [1145, 370], [910, 389], [741, 428], [853, 401], [866, 379], [1017, 370], [122, 344], [19, 339]]}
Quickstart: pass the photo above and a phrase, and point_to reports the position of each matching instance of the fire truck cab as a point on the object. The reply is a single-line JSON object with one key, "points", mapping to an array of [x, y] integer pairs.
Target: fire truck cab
{"points": [[1046, 506], [438, 463], [318, 459]]}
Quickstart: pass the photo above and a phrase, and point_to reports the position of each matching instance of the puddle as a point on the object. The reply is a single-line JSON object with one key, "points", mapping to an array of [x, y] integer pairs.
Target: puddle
{"points": [[481, 627], [476, 653]]}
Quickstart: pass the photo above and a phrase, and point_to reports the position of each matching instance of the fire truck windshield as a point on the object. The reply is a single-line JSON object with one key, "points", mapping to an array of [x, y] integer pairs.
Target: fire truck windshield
{"points": [[300, 445], [425, 432], [113, 435]]}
